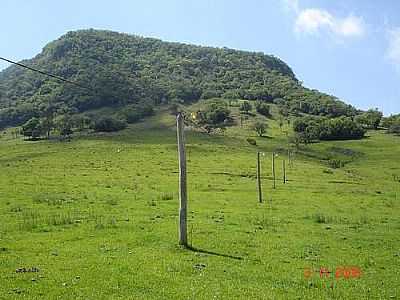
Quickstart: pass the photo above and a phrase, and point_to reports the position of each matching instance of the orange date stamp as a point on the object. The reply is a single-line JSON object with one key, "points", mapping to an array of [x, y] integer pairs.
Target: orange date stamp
{"points": [[346, 272]]}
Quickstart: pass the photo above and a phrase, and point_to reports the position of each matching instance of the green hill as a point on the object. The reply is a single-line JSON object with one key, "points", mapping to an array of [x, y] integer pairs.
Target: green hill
{"points": [[122, 69]]}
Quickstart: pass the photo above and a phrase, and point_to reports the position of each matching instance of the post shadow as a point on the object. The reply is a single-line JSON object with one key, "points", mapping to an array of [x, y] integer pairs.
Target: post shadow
{"points": [[198, 250]]}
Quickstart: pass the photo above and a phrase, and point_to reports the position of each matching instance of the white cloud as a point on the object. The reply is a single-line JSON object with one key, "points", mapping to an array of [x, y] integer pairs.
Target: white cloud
{"points": [[350, 26], [393, 51], [314, 21]]}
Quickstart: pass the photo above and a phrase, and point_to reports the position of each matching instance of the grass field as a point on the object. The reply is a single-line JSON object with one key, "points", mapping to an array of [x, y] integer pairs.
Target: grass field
{"points": [[96, 217]]}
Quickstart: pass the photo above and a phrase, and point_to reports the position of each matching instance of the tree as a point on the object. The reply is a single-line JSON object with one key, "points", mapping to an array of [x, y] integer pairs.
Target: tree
{"points": [[296, 139], [81, 122], [394, 128], [16, 132], [263, 108], [370, 119], [390, 121], [280, 123], [214, 117], [32, 128], [64, 125], [260, 128], [47, 125], [245, 107]]}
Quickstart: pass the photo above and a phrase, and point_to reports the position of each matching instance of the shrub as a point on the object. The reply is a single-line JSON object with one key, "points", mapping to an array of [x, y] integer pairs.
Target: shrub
{"points": [[109, 124], [263, 108], [134, 114], [394, 128], [335, 163], [251, 141], [32, 128], [166, 196], [260, 128], [370, 119], [245, 107], [214, 117]]}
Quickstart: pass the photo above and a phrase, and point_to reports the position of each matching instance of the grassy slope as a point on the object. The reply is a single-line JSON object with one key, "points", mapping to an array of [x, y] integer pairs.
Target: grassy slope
{"points": [[98, 217]]}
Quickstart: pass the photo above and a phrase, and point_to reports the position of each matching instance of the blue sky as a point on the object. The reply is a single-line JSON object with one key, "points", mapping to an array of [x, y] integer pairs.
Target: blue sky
{"points": [[348, 48]]}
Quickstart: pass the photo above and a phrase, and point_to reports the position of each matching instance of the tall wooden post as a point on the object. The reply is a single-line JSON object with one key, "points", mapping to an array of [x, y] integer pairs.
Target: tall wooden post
{"points": [[259, 178], [273, 169], [182, 181], [284, 171]]}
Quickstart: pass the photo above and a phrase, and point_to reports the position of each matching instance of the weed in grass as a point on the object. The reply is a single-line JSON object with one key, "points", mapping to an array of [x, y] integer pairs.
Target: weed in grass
{"points": [[53, 199], [30, 221], [322, 218], [166, 196], [364, 220], [152, 203], [335, 163], [327, 171], [104, 222], [112, 201], [16, 208], [389, 203], [311, 253], [59, 219], [267, 222]]}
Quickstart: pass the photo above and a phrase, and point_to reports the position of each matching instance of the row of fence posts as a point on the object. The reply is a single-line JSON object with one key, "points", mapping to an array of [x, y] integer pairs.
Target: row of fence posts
{"points": [[284, 174], [183, 240]]}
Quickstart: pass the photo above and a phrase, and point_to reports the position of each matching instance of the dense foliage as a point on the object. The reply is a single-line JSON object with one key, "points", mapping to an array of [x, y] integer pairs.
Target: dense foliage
{"points": [[263, 108], [245, 107], [370, 119], [392, 123], [108, 124], [135, 113], [123, 70], [215, 116], [301, 100], [310, 129]]}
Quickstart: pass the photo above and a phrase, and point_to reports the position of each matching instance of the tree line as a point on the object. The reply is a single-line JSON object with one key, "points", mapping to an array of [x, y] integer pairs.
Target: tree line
{"points": [[66, 124]]}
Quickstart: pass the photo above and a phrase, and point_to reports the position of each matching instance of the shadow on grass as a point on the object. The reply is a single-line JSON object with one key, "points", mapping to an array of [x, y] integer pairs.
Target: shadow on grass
{"points": [[194, 249]]}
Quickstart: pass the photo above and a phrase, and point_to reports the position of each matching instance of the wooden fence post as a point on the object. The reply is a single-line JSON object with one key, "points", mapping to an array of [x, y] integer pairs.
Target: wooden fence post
{"points": [[284, 171], [259, 178], [273, 169], [182, 181]]}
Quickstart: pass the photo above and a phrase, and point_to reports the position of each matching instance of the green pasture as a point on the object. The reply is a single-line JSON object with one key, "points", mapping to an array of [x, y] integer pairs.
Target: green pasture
{"points": [[96, 217]]}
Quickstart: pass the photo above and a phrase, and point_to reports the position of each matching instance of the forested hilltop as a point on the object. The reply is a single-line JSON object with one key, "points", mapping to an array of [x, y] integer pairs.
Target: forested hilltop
{"points": [[124, 70]]}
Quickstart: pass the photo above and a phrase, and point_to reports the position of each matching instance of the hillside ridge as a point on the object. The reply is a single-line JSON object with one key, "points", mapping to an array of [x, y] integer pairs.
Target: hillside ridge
{"points": [[128, 69]]}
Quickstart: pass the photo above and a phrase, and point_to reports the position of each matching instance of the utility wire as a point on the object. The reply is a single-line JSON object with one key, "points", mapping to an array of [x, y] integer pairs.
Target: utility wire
{"points": [[47, 74]]}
